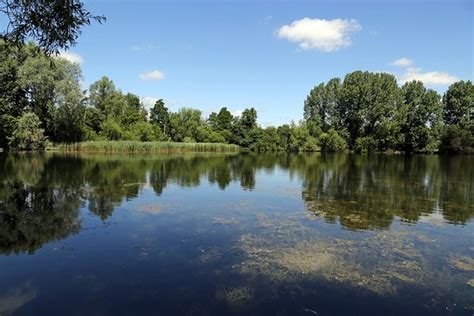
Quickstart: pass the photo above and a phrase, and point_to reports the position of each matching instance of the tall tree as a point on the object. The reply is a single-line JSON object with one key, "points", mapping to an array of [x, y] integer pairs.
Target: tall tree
{"points": [[159, 115], [244, 128], [224, 119], [458, 104], [458, 116], [69, 105], [104, 96], [420, 116], [320, 106], [134, 111], [184, 124], [367, 108]]}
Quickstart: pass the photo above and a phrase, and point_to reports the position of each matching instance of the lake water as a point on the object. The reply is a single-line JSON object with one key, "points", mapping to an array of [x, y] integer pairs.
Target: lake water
{"points": [[236, 235]]}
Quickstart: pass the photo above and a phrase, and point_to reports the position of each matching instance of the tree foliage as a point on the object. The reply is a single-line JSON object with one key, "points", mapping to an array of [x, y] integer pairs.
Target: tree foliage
{"points": [[28, 134], [54, 25], [365, 112]]}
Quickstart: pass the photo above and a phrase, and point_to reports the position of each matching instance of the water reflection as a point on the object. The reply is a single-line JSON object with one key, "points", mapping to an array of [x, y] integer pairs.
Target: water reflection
{"points": [[41, 195], [15, 298]]}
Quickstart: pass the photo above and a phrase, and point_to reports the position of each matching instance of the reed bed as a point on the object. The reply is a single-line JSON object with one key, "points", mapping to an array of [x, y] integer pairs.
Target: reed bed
{"points": [[145, 147]]}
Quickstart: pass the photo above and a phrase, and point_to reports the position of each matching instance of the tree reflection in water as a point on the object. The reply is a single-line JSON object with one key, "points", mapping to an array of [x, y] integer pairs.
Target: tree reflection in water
{"points": [[41, 195]]}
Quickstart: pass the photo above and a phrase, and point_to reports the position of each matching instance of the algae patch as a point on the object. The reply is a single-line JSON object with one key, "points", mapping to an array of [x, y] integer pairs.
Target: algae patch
{"points": [[235, 296], [380, 264], [463, 263]]}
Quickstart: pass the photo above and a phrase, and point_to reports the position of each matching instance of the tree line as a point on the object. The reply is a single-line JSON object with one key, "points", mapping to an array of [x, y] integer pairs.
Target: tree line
{"points": [[42, 101]]}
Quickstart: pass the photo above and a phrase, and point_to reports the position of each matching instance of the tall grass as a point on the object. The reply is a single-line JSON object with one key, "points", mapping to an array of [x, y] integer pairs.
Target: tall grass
{"points": [[144, 147]]}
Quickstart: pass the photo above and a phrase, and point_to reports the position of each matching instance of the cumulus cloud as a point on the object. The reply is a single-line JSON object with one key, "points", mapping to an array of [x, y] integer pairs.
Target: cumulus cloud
{"points": [[320, 34], [402, 62], [72, 57], [152, 75], [431, 78]]}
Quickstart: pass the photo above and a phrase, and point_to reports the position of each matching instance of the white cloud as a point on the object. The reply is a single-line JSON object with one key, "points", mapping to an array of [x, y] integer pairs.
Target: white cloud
{"points": [[431, 78], [152, 75], [320, 34], [148, 102], [72, 57], [402, 62]]}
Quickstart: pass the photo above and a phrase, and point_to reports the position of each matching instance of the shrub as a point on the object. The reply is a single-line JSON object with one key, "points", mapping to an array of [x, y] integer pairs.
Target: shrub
{"points": [[456, 140], [332, 142], [28, 134], [111, 130], [365, 144], [311, 144], [141, 131]]}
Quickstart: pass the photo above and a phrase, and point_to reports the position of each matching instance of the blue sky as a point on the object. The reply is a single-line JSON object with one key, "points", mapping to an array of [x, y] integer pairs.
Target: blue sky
{"points": [[269, 54]]}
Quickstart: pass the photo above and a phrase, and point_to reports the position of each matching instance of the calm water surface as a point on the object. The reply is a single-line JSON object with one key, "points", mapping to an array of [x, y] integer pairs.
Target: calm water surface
{"points": [[236, 235]]}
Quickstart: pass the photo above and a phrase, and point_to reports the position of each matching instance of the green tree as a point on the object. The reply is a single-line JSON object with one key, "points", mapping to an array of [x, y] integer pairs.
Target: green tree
{"points": [[420, 117], [134, 111], [212, 121], [37, 77], [268, 140], [185, 124], [160, 116], [104, 96], [69, 109], [224, 120], [111, 130], [28, 134], [205, 134], [458, 104], [320, 106], [458, 116], [54, 25], [367, 108], [332, 142], [141, 131], [245, 128]]}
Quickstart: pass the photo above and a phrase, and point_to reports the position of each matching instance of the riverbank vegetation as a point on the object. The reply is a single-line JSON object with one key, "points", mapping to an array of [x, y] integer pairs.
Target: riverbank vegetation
{"points": [[145, 147], [42, 101]]}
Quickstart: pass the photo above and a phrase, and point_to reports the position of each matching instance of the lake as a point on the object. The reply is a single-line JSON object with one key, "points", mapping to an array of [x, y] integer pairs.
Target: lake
{"points": [[245, 234]]}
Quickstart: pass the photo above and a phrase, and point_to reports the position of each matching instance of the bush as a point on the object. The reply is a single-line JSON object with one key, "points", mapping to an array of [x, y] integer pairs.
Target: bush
{"points": [[188, 140], [365, 144], [28, 134], [311, 144], [456, 140], [332, 142], [7, 125], [141, 131], [111, 130]]}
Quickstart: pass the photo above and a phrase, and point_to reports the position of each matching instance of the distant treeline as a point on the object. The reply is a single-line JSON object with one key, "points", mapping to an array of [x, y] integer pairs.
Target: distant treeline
{"points": [[41, 101]]}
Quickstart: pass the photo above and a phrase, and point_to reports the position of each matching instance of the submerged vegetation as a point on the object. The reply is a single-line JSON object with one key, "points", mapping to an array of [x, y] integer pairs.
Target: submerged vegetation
{"points": [[42, 101], [268, 241]]}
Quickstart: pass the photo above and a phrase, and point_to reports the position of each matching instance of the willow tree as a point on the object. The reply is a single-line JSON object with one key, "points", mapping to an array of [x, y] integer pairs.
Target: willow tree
{"points": [[53, 25]]}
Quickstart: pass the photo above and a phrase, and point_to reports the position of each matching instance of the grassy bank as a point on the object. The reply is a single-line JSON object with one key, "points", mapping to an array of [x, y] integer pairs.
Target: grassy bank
{"points": [[144, 147]]}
